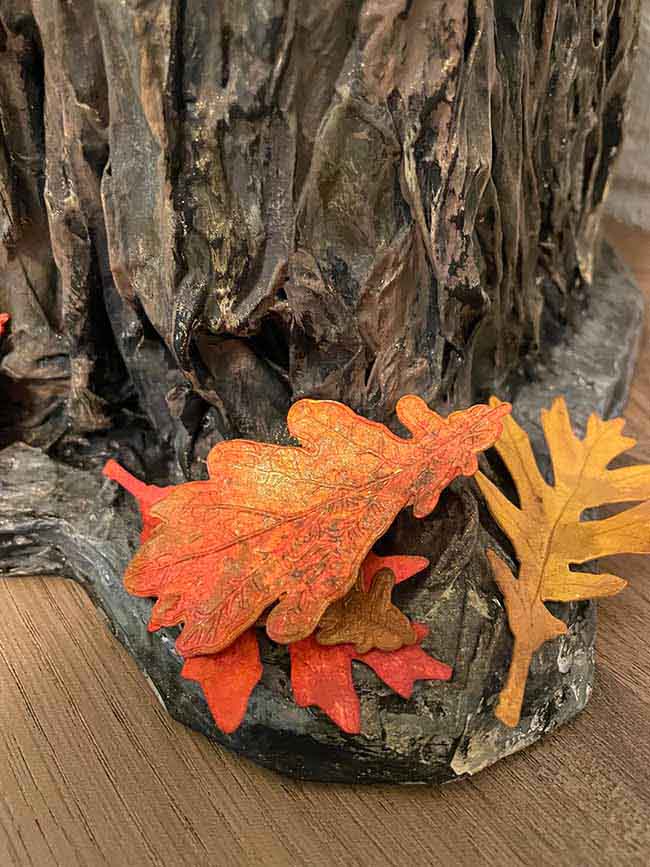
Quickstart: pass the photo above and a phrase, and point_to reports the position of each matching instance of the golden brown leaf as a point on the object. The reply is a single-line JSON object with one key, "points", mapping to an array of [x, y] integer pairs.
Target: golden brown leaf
{"points": [[548, 535], [367, 620]]}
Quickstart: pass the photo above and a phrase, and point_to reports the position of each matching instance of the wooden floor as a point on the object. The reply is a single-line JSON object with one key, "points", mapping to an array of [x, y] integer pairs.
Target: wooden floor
{"points": [[93, 771]]}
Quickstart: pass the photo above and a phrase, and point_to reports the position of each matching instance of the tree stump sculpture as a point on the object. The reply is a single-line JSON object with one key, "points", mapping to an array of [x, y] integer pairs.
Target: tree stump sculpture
{"points": [[210, 210]]}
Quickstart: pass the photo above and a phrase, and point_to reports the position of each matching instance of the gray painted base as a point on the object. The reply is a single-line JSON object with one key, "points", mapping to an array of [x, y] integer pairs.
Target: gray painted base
{"points": [[56, 519]]}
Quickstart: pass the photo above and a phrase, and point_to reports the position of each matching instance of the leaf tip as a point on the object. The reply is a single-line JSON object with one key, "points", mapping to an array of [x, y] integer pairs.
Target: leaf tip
{"points": [[559, 404], [416, 415], [111, 468], [444, 671]]}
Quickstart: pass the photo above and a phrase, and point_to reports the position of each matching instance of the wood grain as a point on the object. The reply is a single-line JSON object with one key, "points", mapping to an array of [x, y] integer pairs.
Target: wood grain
{"points": [[93, 771]]}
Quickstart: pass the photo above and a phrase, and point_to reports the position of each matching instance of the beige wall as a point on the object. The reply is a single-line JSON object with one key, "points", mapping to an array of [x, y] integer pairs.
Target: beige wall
{"points": [[629, 198]]}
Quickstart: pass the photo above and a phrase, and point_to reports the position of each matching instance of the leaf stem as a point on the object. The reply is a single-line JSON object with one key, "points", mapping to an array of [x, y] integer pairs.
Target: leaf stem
{"points": [[113, 470], [146, 495], [512, 695]]}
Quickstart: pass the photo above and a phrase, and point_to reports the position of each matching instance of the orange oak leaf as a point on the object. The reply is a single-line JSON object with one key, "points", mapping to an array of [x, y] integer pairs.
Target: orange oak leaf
{"points": [[548, 535], [322, 676], [367, 618], [4, 318], [292, 525], [227, 679]]}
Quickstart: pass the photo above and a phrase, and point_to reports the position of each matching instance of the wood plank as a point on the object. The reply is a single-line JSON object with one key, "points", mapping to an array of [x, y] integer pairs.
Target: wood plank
{"points": [[93, 771]]}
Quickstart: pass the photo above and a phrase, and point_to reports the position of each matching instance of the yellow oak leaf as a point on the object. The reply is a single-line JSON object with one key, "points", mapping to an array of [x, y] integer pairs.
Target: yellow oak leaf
{"points": [[548, 535]]}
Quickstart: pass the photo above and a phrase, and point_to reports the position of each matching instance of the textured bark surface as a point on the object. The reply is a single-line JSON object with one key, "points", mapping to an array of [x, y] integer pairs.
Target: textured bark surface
{"points": [[210, 210]]}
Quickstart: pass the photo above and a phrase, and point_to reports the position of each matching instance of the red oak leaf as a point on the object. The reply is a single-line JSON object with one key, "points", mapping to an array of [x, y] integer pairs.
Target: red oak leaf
{"points": [[292, 525], [322, 676], [227, 679], [4, 318], [400, 669]]}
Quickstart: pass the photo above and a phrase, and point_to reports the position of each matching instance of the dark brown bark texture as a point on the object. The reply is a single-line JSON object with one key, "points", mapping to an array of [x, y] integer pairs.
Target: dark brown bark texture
{"points": [[210, 209]]}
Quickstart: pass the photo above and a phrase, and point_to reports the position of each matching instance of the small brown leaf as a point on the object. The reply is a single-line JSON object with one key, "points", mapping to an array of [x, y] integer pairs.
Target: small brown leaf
{"points": [[367, 620]]}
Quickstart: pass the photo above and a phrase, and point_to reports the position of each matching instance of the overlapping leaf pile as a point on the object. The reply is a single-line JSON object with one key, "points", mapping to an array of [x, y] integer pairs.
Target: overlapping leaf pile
{"points": [[280, 535], [321, 674], [548, 535]]}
